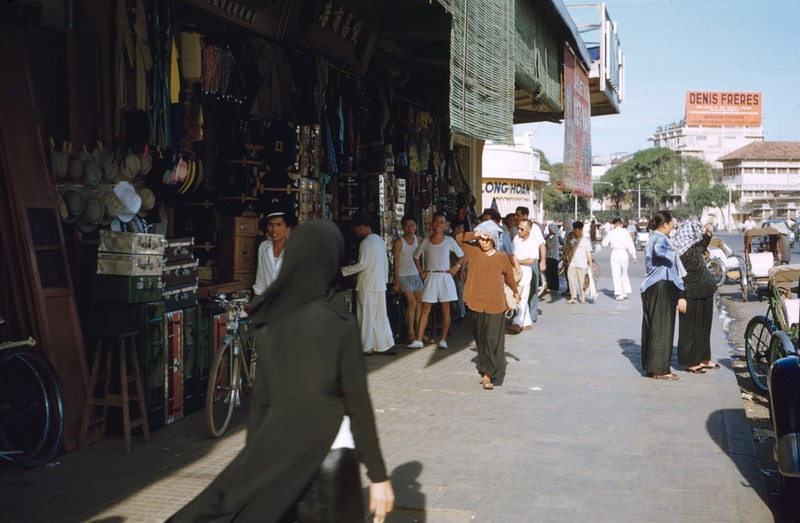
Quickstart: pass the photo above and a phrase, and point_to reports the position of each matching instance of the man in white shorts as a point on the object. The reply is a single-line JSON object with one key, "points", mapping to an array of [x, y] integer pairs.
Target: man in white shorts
{"points": [[439, 284]]}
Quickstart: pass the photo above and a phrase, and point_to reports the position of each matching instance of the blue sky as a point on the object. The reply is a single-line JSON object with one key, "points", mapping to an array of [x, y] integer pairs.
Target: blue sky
{"points": [[675, 46]]}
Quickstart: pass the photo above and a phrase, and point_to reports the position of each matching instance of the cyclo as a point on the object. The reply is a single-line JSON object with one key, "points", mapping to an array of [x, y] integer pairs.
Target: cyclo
{"points": [[724, 264], [784, 384], [761, 346], [761, 252]]}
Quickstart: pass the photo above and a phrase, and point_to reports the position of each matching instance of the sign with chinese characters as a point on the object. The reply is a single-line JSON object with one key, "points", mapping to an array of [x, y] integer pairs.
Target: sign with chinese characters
{"points": [[577, 127]]}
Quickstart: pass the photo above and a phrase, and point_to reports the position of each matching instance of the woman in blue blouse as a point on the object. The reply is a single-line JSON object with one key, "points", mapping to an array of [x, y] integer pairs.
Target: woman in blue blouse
{"points": [[660, 298]]}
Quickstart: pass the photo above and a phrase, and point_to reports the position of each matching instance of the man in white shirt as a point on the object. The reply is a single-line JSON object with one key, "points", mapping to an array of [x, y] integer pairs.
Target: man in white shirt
{"points": [[373, 274], [749, 224], [270, 252], [579, 264], [529, 251], [439, 285], [621, 246]]}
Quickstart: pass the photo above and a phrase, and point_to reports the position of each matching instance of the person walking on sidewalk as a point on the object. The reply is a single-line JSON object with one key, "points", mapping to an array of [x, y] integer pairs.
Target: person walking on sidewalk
{"points": [[439, 285], [553, 248], [373, 274], [696, 316], [579, 264], [311, 419], [529, 250], [621, 246], [484, 294], [406, 276], [660, 290]]}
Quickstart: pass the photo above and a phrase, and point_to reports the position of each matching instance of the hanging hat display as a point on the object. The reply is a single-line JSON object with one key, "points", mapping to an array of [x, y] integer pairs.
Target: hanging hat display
{"points": [[131, 202], [92, 172], [129, 168], [75, 168], [73, 200]]}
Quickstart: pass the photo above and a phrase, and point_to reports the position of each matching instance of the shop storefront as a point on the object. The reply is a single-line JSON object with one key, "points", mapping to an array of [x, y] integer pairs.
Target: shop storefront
{"points": [[195, 119]]}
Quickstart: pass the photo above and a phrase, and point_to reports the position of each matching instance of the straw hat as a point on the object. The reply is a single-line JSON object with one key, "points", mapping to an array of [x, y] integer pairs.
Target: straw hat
{"points": [[92, 172], [148, 201], [92, 213], [129, 168], [73, 200], [131, 202], [112, 205], [75, 168]]}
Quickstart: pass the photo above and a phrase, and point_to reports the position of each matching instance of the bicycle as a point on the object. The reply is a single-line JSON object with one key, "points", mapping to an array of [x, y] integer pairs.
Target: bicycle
{"points": [[31, 405], [232, 371]]}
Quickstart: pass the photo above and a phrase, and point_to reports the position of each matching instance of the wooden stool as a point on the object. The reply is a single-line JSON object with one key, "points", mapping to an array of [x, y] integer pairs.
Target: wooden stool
{"points": [[109, 342]]}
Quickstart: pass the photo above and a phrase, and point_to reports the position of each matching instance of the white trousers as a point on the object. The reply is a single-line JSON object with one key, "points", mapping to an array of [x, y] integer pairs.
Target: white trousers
{"points": [[376, 332], [523, 317], [619, 272]]}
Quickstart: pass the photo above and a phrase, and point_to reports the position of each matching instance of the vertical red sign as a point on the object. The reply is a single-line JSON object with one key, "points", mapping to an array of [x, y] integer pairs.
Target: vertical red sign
{"points": [[577, 127]]}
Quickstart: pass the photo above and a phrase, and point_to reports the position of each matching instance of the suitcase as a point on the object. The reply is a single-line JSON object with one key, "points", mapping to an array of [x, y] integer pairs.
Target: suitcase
{"points": [[173, 392], [179, 249], [131, 242], [180, 273], [197, 220], [108, 288], [193, 391], [130, 264], [180, 297]]}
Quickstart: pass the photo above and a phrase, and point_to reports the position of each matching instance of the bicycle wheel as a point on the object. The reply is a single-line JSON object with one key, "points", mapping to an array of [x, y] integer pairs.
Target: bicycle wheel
{"points": [[31, 408], [542, 284], [717, 270], [221, 395], [757, 348]]}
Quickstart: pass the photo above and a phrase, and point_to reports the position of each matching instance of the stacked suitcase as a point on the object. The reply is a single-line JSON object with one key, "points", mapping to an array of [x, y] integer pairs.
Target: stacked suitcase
{"points": [[179, 275], [129, 268]]}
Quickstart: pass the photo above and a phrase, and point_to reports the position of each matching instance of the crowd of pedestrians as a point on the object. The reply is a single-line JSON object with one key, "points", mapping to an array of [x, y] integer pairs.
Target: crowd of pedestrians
{"points": [[303, 445]]}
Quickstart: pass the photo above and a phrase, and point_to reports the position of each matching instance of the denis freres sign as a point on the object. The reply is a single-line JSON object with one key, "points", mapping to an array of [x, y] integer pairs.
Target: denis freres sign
{"points": [[723, 109]]}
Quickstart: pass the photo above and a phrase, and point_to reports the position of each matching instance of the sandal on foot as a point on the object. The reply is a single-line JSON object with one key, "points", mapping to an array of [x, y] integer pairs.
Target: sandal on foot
{"points": [[696, 370], [670, 377], [571, 302], [488, 386], [712, 367]]}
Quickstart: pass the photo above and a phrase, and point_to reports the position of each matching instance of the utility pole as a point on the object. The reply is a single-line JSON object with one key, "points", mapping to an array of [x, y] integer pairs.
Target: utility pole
{"points": [[639, 193]]}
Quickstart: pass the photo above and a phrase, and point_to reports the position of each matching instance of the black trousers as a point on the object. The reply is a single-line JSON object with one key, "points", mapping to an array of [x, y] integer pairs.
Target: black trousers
{"points": [[694, 331], [334, 495], [489, 332], [658, 326], [551, 274]]}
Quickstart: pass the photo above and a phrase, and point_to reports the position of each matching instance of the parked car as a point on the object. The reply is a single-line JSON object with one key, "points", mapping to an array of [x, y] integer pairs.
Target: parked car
{"points": [[789, 231]]}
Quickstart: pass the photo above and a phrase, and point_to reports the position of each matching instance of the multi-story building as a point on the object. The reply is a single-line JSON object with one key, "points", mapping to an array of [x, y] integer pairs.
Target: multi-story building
{"points": [[708, 143], [766, 176]]}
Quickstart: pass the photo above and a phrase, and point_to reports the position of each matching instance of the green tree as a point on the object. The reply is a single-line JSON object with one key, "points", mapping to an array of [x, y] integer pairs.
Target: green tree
{"points": [[697, 172], [558, 204], [712, 196], [616, 184]]}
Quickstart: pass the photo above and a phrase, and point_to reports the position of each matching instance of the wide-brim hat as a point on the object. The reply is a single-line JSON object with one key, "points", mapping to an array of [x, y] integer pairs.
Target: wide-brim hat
{"points": [[129, 167], [74, 168], [60, 161], [110, 169], [145, 163], [74, 202], [131, 202], [92, 173], [148, 201], [92, 213], [112, 205]]}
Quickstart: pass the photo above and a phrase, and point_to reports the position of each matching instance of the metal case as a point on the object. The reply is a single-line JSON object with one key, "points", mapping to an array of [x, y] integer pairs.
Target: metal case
{"points": [[130, 264], [131, 242], [126, 289]]}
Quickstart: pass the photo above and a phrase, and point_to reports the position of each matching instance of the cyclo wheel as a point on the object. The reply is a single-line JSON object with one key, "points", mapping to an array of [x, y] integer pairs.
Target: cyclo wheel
{"points": [[757, 348], [222, 392], [780, 346], [743, 283], [31, 410], [717, 270]]}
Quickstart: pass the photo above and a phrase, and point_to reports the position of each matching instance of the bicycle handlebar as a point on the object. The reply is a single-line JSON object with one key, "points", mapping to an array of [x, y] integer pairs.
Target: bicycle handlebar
{"points": [[30, 342]]}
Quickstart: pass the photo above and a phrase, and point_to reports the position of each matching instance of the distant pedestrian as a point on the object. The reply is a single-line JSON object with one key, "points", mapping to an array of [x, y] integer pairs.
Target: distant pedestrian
{"points": [[621, 246], [749, 224], [484, 294], [697, 315], [553, 246], [660, 290], [439, 285], [579, 264], [373, 274]]}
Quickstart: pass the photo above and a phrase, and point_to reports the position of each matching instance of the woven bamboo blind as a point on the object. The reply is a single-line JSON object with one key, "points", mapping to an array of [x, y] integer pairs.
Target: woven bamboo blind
{"points": [[537, 56], [482, 68]]}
